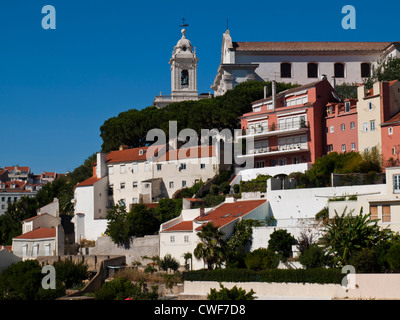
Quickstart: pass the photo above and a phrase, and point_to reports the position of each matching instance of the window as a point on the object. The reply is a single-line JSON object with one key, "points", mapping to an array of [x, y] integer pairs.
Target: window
{"points": [[147, 166], [202, 165], [312, 70], [347, 106], [353, 146], [396, 183], [282, 161], [134, 184], [343, 147], [339, 70], [172, 239], [352, 125], [171, 184], [370, 106], [122, 185], [390, 130], [110, 170], [122, 202], [374, 212], [159, 166], [147, 186], [286, 70], [134, 167], [122, 168], [140, 152], [260, 164], [394, 150], [332, 129], [365, 127], [35, 250], [183, 166], [183, 183], [342, 127], [386, 213], [295, 160], [186, 239], [372, 125], [185, 78], [47, 248], [365, 70], [134, 200]]}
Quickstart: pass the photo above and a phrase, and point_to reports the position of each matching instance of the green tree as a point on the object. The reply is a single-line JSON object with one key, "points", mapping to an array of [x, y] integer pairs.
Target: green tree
{"points": [[23, 281], [141, 221], [281, 242], [346, 234], [71, 273], [387, 69], [212, 247], [313, 257], [117, 228], [168, 262]]}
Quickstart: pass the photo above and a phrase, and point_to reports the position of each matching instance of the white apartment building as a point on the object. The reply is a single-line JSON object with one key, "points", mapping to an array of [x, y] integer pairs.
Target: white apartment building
{"points": [[131, 176]]}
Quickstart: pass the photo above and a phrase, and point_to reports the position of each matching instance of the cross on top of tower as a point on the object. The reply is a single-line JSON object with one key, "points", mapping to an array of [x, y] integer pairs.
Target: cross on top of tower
{"points": [[183, 25]]}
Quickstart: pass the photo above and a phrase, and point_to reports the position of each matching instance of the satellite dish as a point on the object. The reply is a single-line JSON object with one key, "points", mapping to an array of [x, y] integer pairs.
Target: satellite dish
{"points": [[336, 96]]}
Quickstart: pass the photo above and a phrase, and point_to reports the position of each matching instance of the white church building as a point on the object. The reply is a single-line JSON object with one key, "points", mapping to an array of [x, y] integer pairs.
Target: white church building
{"points": [[298, 62]]}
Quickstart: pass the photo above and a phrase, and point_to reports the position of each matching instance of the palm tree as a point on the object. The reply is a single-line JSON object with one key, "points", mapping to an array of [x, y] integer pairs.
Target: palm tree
{"points": [[212, 247]]}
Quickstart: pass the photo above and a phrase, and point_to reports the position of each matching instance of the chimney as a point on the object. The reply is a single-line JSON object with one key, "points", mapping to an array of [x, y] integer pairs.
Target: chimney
{"points": [[201, 212], [101, 167], [273, 94], [265, 92], [334, 83]]}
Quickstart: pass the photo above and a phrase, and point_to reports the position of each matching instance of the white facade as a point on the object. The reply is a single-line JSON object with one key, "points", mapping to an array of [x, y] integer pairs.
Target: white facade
{"points": [[297, 62], [183, 74]]}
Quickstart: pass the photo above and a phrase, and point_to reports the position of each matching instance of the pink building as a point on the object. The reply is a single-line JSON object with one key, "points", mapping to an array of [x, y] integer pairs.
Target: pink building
{"points": [[289, 127], [390, 132], [341, 126]]}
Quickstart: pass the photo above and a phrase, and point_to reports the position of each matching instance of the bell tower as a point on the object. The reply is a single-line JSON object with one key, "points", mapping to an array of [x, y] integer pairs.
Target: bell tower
{"points": [[184, 69]]}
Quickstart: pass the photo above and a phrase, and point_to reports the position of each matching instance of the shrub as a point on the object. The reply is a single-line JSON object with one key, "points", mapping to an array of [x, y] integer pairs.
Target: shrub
{"points": [[281, 242], [230, 294], [168, 262], [121, 289], [312, 257], [261, 259], [70, 272], [365, 261], [393, 257]]}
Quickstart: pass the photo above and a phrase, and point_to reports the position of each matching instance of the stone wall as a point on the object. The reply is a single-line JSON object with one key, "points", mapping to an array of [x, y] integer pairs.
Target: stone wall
{"points": [[138, 247]]}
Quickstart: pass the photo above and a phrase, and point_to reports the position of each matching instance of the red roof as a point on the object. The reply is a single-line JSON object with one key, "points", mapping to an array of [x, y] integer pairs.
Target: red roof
{"points": [[127, 155], [22, 169], [88, 182], [188, 153], [181, 226], [228, 212], [38, 233], [393, 120]]}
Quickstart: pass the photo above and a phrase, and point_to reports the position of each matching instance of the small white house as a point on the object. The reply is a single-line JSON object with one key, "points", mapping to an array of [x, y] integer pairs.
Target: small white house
{"points": [[179, 236], [42, 235]]}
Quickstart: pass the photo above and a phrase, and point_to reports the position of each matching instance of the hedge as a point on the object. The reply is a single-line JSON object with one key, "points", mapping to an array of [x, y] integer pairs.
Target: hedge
{"points": [[316, 275]]}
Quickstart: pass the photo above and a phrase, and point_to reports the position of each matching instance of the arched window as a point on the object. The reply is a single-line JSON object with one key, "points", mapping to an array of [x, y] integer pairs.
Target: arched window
{"points": [[185, 78], [339, 70], [365, 70], [286, 70], [312, 70]]}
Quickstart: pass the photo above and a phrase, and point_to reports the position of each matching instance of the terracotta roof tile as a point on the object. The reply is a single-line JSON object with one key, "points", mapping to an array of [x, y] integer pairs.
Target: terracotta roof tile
{"points": [[88, 182], [39, 233], [127, 155], [228, 212], [181, 226], [311, 46]]}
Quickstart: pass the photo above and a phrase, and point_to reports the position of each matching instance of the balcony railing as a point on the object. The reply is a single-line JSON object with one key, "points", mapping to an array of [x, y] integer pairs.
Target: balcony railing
{"points": [[273, 130], [283, 149]]}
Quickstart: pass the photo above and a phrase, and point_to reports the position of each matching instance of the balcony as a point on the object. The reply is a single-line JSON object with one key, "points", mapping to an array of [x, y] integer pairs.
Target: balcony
{"points": [[268, 151], [280, 129]]}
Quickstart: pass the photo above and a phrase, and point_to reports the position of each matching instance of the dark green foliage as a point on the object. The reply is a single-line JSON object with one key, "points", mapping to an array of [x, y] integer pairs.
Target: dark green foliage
{"points": [[131, 127], [168, 262], [261, 259], [393, 257], [211, 247], [313, 257], [386, 70], [168, 209], [121, 289], [281, 242], [230, 294], [257, 184], [141, 221], [23, 281], [70, 272], [316, 275], [365, 261]]}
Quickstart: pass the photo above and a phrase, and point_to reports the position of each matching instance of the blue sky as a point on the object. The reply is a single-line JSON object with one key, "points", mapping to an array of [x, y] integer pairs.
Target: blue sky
{"points": [[57, 87]]}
